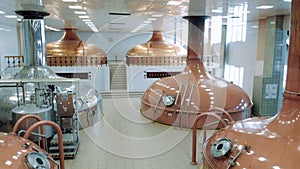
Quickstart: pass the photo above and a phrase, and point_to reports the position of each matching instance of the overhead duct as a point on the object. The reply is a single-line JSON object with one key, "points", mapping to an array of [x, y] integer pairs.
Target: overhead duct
{"points": [[34, 43], [178, 100]]}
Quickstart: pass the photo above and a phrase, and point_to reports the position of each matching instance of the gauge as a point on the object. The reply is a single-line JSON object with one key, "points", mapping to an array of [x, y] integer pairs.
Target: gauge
{"points": [[169, 100]]}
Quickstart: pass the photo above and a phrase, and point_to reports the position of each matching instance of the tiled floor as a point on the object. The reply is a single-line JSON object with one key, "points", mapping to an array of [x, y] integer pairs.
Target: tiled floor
{"points": [[124, 139]]}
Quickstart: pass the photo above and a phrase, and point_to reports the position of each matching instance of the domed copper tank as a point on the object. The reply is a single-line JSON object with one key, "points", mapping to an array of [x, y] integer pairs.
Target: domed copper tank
{"points": [[177, 100], [156, 51], [70, 50], [21, 153], [264, 142]]}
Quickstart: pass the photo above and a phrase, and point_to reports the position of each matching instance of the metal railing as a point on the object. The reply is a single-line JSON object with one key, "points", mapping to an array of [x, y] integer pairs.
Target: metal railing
{"points": [[76, 61], [14, 61], [156, 61]]}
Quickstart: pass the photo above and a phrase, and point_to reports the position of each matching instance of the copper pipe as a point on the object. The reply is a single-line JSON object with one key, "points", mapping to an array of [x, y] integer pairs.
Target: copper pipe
{"points": [[19, 122], [194, 137], [60, 138]]}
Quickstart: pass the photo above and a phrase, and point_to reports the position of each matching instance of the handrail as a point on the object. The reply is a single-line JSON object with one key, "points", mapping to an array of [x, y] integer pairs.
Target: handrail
{"points": [[60, 138], [19, 122], [181, 104], [156, 60], [76, 61], [188, 105], [157, 103], [176, 100], [194, 136]]}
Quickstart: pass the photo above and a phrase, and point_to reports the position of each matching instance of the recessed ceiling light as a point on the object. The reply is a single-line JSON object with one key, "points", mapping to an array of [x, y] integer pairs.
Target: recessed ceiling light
{"points": [[86, 20], [69, 0], [75, 7], [2, 12], [152, 19], [287, 0], [157, 15], [10, 16], [83, 16], [264, 7], [80, 12], [174, 3]]}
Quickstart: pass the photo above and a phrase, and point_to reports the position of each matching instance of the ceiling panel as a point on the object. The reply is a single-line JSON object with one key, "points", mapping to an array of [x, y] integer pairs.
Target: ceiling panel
{"points": [[140, 10]]}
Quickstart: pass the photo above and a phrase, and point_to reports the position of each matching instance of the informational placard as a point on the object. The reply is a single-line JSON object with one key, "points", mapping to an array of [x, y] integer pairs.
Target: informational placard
{"points": [[271, 91]]}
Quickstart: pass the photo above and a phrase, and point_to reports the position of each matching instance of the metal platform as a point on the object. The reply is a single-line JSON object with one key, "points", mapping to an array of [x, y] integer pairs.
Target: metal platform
{"points": [[70, 142]]}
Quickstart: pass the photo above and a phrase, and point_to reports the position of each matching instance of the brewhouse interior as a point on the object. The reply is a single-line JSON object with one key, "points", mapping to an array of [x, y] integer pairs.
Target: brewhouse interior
{"points": [[147, 84]]}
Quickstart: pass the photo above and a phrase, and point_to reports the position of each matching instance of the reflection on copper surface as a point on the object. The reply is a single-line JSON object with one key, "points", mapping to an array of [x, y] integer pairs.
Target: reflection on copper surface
{"points": [[71, 51], [267, 142], [194, 90], [156, 51]]}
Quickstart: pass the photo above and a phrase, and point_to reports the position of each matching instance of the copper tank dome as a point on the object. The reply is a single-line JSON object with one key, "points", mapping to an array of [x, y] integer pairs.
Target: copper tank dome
{"points": [[178, 100], [157, 46], [70, 50], [264, 142]]}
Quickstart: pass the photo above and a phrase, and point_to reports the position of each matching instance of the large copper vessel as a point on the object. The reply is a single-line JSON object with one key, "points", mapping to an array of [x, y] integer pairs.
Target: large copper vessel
{"points": [[264, 142], [21, 153], [178, 100], [70, 50], [156, 51]]}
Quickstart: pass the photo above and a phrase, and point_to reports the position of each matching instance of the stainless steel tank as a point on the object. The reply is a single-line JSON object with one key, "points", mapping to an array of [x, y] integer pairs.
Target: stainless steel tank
{"points": [[45, 113]]}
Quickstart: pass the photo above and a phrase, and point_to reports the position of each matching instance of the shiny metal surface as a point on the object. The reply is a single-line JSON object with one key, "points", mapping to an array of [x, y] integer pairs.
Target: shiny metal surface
{"points": [[267, 142], [195, 90], [16, 151], [156, 47], [44, 113], [70, 50], [34, 42]]}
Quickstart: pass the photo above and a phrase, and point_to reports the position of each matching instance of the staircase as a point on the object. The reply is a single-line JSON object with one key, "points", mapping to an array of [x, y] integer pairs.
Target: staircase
{"points": [[118, 75], [121, 94]]}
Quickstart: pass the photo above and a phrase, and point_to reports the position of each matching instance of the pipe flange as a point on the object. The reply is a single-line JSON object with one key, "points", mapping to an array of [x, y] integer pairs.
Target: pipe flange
{"points": [[37, 160], [221, 148]]}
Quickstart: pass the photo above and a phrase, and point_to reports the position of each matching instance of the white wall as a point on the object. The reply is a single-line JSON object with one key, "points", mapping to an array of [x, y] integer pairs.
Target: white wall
{"points": [[243, 54], [136, 80], [8, 43]]}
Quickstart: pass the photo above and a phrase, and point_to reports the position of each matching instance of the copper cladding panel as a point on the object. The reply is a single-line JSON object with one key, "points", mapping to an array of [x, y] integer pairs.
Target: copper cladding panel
{"points": [[274, 142]]}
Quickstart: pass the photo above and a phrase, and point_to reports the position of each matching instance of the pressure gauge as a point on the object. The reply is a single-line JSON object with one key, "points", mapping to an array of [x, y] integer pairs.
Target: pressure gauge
{"points": [[169, 100]]}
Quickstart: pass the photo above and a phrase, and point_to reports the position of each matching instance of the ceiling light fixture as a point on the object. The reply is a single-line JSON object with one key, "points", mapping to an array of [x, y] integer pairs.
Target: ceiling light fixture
{"points": [[2, 12], [11, 16], [80, 12], [83, 16], [69, 0], [265, 7], [174, 3], [287, 0], [75, 7], [157, 15], [86, 20]]}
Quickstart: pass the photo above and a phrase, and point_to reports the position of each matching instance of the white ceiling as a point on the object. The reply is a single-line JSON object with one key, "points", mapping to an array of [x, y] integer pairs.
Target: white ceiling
{"points": [[140, 10]]}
